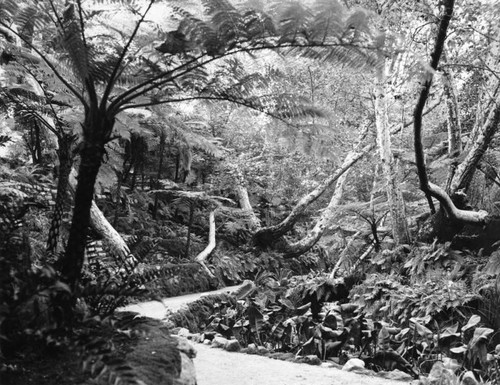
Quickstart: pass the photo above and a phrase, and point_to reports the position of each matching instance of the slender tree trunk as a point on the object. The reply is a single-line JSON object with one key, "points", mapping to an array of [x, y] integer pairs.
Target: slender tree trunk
{"points": [[163, 138], [65, 164], [118, 198], [394, 195], [202, 257], [37, 144], [453, 118], [190, 225]]}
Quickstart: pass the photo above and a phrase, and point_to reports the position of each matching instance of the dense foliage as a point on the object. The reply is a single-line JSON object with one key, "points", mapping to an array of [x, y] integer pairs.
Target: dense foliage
{"points": [[342, 157]]}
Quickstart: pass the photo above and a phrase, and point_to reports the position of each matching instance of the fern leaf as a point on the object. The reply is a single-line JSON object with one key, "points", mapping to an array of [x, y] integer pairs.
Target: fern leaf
{"points": [[72, 39], [8, 9]]}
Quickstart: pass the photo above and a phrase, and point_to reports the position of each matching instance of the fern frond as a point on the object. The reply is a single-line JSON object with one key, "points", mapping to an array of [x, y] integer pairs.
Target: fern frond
{"points": [[227, 21], [295, 21], [258, 24], [74, 44], [201, 143], [198, 33], [8, 9]]}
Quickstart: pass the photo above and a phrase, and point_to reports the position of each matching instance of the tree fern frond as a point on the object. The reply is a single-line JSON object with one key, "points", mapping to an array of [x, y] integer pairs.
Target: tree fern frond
{"points": [[197, 33], [228, 24], [8, 9], [201, 143], [328, 20], [258, 24], [295, 21], [352, 56], [74, 44]]}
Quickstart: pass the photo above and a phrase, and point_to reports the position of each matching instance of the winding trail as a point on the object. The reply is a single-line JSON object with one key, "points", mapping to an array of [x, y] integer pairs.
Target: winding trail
{"points": [[219, 367]]}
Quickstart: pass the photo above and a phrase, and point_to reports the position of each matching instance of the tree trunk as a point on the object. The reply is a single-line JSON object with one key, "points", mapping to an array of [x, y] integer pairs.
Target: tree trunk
{"points": [[394, 195], [244, 200], [190, 225], [101, 225], [97, 128], [453, 118], [465, 170], [163, 139], [266, 236], [65, 164], [298, 248], [201, 258]]}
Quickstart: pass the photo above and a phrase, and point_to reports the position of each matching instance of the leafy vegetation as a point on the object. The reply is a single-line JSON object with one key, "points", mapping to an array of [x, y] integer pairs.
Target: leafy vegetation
{"points": [[154, 148]]}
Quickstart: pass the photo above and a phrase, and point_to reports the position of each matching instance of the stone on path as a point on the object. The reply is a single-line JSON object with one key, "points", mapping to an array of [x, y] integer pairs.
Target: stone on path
{"points": [[232, 346], [354, 364]]}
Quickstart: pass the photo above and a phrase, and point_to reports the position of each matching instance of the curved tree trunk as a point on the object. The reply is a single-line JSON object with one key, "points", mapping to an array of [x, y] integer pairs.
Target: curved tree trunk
{"points": [[300, 247], [481, 138], [244, 202], [201, 258], [267, 236]]}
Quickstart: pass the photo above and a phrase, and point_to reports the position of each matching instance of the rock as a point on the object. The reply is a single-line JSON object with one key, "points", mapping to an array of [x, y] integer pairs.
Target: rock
{"points": [[159, 358], [396, 374], [282, 356], [188, 372], [262, 351], [184, 346], [207, 342], [196, 337], [219, 342], [183, 332], [252, 349], [439, 375], [353, 364], [232, 346], [310, 360]]}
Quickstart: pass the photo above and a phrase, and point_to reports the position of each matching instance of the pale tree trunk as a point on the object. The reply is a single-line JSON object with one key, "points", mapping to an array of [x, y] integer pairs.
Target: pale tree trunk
{"points": [[102, 226], [486, 123], [202, 257], [244, 201], [267, 236], [465, 170], [394, 195], [454, 127], [313, 236]]}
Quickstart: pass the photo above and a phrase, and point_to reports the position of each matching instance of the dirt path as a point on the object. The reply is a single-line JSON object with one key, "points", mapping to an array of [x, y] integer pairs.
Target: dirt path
{"points": [[219, 367]]}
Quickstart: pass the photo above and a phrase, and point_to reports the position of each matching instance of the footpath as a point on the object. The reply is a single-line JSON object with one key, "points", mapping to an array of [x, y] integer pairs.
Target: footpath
{"points": [[219, 367]]}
